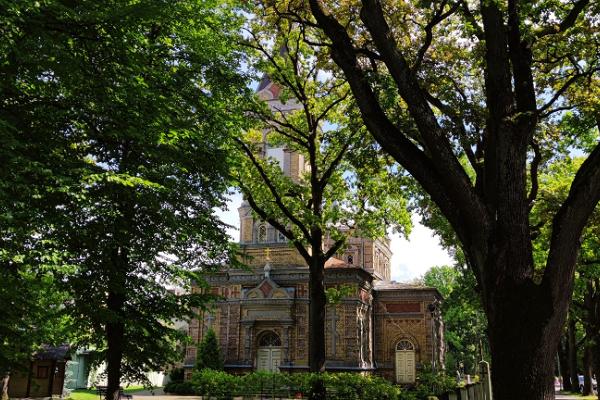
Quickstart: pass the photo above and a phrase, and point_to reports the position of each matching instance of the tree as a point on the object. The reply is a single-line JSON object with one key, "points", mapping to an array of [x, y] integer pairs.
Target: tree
{"points": [[341, 192], [554, 185], [464, 319], [129, 108], [444, 84], [209, 353]]}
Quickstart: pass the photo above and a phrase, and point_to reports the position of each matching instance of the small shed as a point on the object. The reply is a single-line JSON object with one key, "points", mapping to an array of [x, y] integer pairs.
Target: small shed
{"points": [[44, 377]]}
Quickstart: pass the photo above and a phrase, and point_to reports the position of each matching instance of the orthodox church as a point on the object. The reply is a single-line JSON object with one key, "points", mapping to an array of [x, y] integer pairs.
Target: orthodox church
{"points": [[261, 321]]}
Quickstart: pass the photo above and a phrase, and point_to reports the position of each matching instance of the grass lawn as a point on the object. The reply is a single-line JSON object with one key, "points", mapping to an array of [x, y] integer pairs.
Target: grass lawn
{"points": [[579, 397], [91, 394]]}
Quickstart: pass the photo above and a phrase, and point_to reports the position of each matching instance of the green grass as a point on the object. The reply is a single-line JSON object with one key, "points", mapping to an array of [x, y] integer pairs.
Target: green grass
{"points": [[91, 394]]}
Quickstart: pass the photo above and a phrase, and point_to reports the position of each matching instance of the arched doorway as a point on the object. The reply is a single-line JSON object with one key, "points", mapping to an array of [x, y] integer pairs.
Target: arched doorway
{"points": [[405, 362], [269, 352]]}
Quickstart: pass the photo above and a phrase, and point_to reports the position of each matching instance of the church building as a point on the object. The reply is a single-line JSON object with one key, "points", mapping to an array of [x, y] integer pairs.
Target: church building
{"points": [[261, 321]]}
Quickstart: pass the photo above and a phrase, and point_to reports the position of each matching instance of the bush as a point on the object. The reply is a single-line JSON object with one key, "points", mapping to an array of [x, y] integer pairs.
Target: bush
{"points": [[346, 386], [183, 388], [219, 384], [433, 384], [176, 375]]}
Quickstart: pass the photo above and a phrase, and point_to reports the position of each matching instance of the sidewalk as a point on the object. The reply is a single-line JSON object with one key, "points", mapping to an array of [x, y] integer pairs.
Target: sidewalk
{"points": [[158, 394]]}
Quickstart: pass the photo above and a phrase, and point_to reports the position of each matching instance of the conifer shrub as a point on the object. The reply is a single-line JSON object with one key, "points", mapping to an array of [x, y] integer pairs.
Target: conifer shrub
{"points": [[209, 353]]}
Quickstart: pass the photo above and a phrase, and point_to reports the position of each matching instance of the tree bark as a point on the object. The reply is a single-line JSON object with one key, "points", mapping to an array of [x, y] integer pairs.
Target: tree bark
{"points": [[115, 335], [5, 382], [491, 219], [573, 354], [565, 371], [523, 345], [316, 316], [587, 370]]}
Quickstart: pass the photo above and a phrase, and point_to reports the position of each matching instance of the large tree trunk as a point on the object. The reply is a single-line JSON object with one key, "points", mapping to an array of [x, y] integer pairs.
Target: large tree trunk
{"points": [[316, 315], [573, 353], [115, 335], [563, 357], [524, 337]]}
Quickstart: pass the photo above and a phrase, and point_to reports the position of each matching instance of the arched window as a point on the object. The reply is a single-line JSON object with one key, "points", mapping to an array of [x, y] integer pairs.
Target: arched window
{"points": [[262, 233], [350, 259], [405, 345], [269, 339]]}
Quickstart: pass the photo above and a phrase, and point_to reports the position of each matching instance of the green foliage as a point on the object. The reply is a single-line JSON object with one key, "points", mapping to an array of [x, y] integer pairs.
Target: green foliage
{"points": [[209, 353], [115, 124], [464, 319], [431, 383], [182, 388], [340, 386], [176, 375]]}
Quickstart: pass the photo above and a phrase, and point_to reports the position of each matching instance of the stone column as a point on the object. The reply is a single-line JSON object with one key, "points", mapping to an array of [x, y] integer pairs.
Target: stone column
{"points": [[248, 333], [286, 342]]}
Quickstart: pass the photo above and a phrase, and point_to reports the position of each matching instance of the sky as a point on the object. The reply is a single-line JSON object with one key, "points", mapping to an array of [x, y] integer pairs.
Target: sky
{"points": [[410, 258]]}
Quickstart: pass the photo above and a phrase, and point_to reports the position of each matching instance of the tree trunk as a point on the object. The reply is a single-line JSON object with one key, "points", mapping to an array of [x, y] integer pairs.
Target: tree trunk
{"points": [[524, 337], [563, 357], [115, 335], [587, 370], [316, 315], [573, 354], [5, 382]]}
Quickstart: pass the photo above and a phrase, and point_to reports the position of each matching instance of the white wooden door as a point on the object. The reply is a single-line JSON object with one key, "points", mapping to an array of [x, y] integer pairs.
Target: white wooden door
{"points": [[405, 366], [268, 359]]}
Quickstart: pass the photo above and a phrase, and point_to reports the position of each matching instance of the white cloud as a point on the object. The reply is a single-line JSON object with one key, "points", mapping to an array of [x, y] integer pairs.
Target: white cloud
{"points": [[413, 257], [410, 258]]}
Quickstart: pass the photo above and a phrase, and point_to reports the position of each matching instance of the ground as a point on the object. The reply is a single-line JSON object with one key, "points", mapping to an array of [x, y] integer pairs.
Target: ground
{"points": [[91, 394], [564, 396]]}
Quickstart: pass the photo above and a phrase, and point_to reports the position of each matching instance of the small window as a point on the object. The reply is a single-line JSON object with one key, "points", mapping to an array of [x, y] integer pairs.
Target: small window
{"points": [[42, 372], [262, 234], [350, 260], [281, 237]]}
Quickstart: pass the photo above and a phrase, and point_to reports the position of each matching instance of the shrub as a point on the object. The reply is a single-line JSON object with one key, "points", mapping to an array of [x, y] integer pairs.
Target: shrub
{"points": [[182, 388], [433, 384], [219, 384], [346, 386], [176, 375], [209, 353]]}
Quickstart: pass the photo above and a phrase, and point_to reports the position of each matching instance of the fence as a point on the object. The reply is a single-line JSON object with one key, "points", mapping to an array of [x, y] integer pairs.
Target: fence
{"points": [[481, 390]]}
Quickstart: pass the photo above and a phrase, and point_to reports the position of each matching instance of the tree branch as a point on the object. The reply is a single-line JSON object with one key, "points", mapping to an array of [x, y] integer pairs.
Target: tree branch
{"points": [[334, 249], [566, 23], [535, 163], [568, 225], [459, 204], [273, 190]]}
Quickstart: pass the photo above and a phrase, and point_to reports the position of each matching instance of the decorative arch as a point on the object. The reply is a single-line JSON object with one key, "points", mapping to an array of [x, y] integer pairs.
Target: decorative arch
{"points": [[405, 345], [269, 339]]}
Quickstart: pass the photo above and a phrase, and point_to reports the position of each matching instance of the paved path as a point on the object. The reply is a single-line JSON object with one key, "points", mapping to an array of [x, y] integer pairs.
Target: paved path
{"points": [[158, 394]]}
